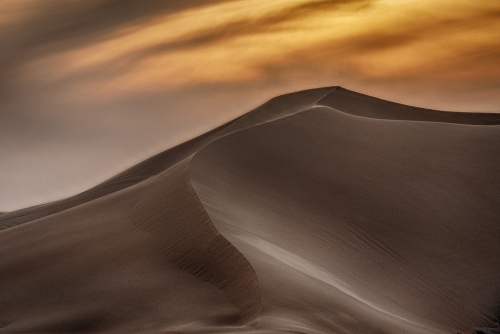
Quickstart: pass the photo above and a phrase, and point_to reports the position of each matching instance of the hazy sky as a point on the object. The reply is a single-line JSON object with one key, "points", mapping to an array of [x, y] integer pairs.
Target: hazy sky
{"points": [[90, 87]]}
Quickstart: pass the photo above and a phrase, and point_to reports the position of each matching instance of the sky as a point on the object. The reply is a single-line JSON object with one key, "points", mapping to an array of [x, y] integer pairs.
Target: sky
{"points": [[91, 87]]}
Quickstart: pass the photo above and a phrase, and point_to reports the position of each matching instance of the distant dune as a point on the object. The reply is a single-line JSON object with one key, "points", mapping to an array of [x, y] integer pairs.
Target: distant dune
{"points": [[321, 211]]}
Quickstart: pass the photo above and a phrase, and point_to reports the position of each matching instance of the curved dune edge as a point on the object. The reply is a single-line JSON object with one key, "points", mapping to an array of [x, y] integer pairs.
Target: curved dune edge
{"points": [[193, 243], [172, 211]]}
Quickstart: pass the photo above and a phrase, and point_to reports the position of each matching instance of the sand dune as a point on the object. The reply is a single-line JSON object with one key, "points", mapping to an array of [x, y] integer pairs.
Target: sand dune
{"points": [[322, 211]]}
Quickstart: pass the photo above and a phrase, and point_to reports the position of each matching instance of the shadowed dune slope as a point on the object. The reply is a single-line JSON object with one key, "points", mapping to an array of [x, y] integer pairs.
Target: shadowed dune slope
{"points": [[341, 223]]}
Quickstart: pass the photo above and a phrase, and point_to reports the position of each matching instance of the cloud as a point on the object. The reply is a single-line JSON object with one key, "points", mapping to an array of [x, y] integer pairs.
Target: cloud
{"points": [[167, 40], [34, 29], [107, 49], [62, 24], [245, 27]]}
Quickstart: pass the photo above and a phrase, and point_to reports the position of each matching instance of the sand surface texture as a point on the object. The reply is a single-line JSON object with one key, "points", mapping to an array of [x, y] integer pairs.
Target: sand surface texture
{"points": [[322, 211]]}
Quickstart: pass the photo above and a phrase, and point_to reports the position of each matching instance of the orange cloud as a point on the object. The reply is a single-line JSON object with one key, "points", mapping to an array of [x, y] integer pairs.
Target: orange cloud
{"points": [[238, 42]]}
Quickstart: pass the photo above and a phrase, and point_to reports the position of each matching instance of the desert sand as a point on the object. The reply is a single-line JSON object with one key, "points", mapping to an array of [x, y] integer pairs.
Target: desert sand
{"points": [[321, 211]]}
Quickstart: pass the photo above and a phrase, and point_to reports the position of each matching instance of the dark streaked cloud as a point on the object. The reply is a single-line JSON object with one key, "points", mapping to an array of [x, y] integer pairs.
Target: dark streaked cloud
{"points": [[242, 27], [67, 24], [51, 26]]}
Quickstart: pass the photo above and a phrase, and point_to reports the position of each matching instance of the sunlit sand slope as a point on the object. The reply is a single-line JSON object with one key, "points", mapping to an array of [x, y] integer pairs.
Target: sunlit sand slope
{"points": [[359, 225]]}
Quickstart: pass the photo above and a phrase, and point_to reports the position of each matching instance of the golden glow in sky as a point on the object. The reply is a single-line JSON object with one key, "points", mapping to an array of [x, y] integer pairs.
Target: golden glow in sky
{"points": [[238, 41]]}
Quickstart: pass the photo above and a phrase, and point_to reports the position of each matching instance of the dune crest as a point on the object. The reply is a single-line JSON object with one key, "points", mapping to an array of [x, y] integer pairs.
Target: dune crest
{"points": [[358, 104]]}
